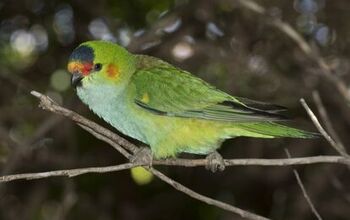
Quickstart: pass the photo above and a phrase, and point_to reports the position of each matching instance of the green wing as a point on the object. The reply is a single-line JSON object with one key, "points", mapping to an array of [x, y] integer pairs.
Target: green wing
{"points": [[166, 90]]}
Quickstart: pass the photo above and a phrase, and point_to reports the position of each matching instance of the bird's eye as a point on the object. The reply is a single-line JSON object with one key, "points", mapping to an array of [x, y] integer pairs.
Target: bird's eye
{"points": [[97, 67]]}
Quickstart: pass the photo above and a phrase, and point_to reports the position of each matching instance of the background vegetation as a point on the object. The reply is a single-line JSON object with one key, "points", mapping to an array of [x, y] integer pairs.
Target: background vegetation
{"points": [[232, 47]]}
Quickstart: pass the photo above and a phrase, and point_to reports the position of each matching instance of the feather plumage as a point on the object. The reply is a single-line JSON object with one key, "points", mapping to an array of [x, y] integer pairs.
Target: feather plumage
{"points": [[168, 108]]}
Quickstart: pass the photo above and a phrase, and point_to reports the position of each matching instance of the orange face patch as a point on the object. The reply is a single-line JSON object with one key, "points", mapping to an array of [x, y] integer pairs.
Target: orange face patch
{"points": [[112, 71], [83, 68]]}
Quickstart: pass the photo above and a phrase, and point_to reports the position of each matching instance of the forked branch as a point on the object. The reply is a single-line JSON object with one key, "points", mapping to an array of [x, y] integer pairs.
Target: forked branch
{"points": [[128, 149]]}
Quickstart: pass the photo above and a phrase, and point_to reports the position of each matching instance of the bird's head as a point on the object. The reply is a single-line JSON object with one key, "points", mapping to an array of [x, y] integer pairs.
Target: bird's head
{"points": [[100, 63]]}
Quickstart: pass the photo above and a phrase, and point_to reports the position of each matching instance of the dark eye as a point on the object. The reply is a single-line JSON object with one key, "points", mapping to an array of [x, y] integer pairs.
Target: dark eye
{"points": [[97, 67]]}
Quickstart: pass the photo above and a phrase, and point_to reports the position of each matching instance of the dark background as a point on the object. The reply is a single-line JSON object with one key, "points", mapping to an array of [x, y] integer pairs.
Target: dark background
{"points": [[220, 41]]}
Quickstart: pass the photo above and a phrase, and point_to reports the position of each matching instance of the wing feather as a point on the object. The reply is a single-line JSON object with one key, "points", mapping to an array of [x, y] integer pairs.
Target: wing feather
{"points": [[177, 93]]}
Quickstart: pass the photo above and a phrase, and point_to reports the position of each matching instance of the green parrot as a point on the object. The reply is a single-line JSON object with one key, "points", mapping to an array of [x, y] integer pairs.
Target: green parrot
{"points": [[165, 107]]}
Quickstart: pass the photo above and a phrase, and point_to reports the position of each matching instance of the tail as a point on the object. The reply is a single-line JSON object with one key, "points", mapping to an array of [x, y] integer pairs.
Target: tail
{"points": [[270, 130]]}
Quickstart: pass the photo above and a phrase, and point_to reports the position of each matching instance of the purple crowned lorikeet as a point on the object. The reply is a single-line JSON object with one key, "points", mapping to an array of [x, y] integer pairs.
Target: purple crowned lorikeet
{"points": [[165, 107]]}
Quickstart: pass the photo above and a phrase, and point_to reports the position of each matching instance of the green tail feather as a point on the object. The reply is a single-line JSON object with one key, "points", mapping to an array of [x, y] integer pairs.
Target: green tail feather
{"points": [[271, 129]]}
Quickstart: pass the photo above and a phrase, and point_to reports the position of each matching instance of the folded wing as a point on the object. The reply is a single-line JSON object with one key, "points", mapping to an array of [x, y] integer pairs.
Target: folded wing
{"points": [[166, 90]]}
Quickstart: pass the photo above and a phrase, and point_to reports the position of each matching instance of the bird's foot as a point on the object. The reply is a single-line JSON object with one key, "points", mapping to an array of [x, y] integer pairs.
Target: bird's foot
{"points": [[215, 162], [143, 156]]}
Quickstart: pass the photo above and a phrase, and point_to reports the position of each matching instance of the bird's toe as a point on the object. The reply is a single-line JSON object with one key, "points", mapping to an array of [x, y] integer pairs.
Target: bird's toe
{"points": [[143, 156], [215, 162]]}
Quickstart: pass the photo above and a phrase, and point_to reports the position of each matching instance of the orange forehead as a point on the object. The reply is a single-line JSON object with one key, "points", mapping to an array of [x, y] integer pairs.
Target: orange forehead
{"points": [[112, 71], [83, 68]]}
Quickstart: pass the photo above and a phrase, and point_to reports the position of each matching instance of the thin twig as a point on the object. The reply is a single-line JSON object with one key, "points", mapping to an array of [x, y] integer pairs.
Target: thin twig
{"points": [[68, 173], [187, 163], [208, 200], [322, 131], [47, 103], [256, 162], [305, 194], [325, 118]]}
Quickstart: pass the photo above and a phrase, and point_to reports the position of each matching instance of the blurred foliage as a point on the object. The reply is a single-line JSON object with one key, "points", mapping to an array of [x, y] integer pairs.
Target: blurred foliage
{"points": [[227, 45], [143, 12]]}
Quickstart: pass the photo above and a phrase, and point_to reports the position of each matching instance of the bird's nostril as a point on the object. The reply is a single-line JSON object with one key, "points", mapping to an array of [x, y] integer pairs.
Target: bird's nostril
{"points": [[76, 79]]}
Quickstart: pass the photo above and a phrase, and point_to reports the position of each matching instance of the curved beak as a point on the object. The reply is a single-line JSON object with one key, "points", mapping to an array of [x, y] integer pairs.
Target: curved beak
{"points": [[76, 79]]}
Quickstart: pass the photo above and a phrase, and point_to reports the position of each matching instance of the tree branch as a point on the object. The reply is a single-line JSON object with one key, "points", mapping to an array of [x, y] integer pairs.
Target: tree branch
{"points": [[120, 143], [325, 118], [48, 104], [182, 163], [208, 200], [256, 162], [68, 173], [324, 133], [305, 194]]}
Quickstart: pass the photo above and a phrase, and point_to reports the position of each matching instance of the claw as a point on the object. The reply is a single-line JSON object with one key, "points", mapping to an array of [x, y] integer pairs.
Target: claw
{"points": [[215, 162], [143, 156]]}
